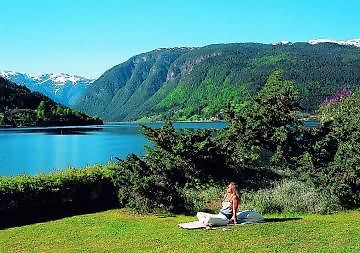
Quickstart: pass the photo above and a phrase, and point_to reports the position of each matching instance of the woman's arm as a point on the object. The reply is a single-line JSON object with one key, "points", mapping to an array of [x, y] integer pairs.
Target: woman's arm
{"points": [[235, 207]]}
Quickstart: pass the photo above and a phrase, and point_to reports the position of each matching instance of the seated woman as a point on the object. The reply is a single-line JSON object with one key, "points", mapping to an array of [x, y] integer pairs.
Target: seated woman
{"points": [[228, 211]]}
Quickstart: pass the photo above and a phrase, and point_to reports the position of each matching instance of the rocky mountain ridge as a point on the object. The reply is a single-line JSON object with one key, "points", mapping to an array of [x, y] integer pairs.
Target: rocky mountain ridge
{"points": [[62, 88]]}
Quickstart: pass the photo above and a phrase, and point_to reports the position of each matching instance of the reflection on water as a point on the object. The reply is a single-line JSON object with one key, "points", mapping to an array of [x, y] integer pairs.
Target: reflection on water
{"points": [[43, 149], [53, 130]]}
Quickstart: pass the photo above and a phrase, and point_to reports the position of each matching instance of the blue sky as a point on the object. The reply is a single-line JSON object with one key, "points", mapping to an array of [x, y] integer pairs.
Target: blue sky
{"points": [[86, 37]]}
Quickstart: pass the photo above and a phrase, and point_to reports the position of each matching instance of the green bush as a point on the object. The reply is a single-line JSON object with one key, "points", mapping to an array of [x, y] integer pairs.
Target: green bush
{"points": [[178, 160], [290, 196], [25, 198], [142, 188], [332, 159], [203, 198]]}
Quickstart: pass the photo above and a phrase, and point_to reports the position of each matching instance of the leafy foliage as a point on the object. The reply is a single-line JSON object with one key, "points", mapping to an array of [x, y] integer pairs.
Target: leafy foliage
{"points": [[338, 96], [178, 160], [25, 199], [266, 129], [332, 159]]}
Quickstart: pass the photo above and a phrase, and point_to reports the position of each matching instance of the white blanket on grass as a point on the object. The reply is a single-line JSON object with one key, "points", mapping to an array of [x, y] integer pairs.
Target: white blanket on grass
{"points": [[244, 217]]}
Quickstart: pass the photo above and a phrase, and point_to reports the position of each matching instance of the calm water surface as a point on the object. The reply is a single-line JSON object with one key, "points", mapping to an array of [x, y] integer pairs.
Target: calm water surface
{"points": [[34, 150]]}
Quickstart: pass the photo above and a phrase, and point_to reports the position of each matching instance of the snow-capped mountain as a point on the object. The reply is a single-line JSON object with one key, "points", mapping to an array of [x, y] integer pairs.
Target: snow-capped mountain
{"points": [[282, 42], [62, 88], [352, 42]]}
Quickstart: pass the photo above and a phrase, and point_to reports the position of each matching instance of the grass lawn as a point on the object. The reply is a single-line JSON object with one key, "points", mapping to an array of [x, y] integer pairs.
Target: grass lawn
{"points": [[119, 230]]}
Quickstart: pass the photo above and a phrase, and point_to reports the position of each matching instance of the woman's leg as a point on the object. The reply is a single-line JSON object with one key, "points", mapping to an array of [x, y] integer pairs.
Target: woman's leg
{"points": [[203, 217], [249, 215], [212, 219]]}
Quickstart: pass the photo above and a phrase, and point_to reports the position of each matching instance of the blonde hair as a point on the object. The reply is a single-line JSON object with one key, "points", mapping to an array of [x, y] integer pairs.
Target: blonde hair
{"points": [[234, 188]]}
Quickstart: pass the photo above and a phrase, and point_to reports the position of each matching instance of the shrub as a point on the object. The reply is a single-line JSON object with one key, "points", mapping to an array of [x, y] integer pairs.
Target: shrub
{"points": [[203, 198], [290, 196], [178, 160], [332, 160], [143, 188], [26, 198]]}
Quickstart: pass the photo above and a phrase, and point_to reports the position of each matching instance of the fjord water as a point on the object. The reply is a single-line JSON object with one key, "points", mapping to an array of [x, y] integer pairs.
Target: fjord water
{"points": [[35, 150]]}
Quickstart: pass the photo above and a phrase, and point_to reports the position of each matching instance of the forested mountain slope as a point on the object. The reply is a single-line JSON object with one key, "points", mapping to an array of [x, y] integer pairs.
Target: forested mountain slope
{"points": [[196, 83]]}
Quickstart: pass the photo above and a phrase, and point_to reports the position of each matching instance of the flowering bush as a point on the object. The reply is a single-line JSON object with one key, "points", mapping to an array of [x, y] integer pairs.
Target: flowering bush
{"points": [[333, 159], [345, 92]]}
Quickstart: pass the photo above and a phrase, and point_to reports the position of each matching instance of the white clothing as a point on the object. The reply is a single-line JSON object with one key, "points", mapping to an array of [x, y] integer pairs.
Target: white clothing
{"points": [[209, 219], [243, 217]]}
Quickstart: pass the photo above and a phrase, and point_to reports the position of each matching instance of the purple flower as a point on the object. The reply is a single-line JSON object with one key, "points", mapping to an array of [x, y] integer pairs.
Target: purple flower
{"points": [[345, 92]]}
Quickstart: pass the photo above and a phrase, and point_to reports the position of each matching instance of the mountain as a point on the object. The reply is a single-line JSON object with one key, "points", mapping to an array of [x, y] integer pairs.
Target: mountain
{"points": [[62, 88], [353, 42], [282, 42], [197, 83], [120, 91], [21, 107]]}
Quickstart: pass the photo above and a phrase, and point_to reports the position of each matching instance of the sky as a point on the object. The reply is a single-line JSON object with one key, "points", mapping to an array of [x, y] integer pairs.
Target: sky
{"points": [[87, 37]]}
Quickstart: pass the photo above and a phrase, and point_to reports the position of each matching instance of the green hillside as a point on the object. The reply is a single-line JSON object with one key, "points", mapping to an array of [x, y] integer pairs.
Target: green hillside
{"points": [[21, 107], [196, 83]]}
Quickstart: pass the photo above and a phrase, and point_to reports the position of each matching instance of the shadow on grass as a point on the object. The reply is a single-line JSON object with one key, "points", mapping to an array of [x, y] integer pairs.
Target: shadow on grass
{"points": [[22, 218], [161, 216], [280, 219]]}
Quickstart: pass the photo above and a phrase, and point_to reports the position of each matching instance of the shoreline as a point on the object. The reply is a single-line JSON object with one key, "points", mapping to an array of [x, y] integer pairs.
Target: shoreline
{"points": [[110, 123], [8, 127], [158, 121]]}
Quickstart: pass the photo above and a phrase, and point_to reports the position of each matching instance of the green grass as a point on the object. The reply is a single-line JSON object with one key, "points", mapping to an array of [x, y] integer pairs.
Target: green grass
{"points": [[118, 230]]}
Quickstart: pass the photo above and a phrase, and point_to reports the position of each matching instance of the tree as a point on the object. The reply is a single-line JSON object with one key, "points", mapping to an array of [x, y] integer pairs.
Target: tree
{"points": [[59, 111], [332, 160], [267, 129], [41, 111], [2, 117]]}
